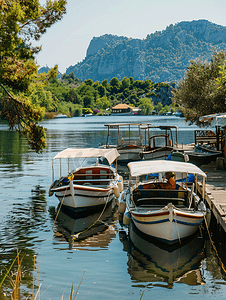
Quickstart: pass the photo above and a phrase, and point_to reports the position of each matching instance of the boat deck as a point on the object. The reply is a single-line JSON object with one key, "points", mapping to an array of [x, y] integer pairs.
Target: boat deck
{"points": [[216, 192]]}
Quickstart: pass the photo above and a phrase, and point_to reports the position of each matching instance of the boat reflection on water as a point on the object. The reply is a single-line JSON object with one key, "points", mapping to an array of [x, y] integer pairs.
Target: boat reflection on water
{"points": [[83, 231], [156, 263]]}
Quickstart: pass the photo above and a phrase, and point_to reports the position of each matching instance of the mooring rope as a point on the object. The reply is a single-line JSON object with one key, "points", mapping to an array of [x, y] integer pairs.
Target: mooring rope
{"points": [[214, 248], [58, 211]]}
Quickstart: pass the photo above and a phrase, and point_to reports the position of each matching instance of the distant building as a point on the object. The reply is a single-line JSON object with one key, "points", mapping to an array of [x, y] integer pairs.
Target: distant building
{"points": [[122, 109]]}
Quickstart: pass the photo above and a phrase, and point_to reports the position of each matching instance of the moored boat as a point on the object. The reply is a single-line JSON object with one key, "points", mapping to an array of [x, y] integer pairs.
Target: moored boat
{"points": [[159, 146], [169, 215], [87, 187], [129, 141], [203, 155]]}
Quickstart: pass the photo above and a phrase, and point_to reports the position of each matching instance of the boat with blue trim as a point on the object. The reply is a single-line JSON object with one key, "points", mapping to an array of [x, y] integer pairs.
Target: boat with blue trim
{"points": [[167, 213]]}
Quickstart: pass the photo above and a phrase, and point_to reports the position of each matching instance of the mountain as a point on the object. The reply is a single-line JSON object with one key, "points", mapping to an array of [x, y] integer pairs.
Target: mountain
{"points": [[162, 56]]}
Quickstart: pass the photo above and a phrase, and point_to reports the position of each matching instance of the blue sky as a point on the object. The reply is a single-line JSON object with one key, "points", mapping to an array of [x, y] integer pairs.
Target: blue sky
{"points": [[66, 42]]}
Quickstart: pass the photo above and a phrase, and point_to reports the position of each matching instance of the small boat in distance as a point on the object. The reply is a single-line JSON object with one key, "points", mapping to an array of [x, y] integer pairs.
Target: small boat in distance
{"points": [[203, 155], [159, 146], [169, 215], [128, 141], [87, 187], [59, 116]]}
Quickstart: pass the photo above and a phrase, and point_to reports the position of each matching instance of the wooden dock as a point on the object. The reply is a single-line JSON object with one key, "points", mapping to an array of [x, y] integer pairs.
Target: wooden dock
{"points": [[216, 192]]}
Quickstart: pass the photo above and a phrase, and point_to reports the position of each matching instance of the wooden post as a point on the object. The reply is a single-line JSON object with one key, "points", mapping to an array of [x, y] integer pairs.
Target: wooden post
{"points": [[224, 141]]}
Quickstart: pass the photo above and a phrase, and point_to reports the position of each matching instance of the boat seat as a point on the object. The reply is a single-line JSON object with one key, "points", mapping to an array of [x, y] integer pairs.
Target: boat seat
{"points": [[149, 193], [159, 201]]}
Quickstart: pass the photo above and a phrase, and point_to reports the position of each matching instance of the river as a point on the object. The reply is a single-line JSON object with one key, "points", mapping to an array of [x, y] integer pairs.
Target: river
{"points": [[111, 261]]}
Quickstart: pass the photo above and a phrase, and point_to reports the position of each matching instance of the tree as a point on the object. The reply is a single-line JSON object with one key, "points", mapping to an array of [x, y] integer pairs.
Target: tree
{"points": [[125, 83], [72, 96], [146, 106], [199, 94], [158, 107], [103, 103], [22, 21], [88, 101], [114, 82], [101, 90]]}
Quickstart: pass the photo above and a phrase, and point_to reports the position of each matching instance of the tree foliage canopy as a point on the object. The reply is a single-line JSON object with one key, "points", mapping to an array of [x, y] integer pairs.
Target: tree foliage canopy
{"points": [[22, 21], [199, 94], [102, 96]]}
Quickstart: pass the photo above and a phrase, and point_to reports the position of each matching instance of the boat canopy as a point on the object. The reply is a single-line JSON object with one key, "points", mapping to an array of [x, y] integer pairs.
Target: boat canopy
{"points": [[215, 119], [139, 168], [109, 154]]}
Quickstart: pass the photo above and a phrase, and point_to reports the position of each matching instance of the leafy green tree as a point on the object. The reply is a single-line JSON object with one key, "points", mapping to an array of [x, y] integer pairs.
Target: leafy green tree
{"points": [[101, 90], [88, 82], [72, 75], [199, 93], [86, 110], [88, 101], [74, 109], [125, 83], [72, 96], [146, 106], [164, 109], [58, 89], [103, 103], [105, 84], [115, 84], [131, 80], [158, 107], [42, 98], [20, 23]]}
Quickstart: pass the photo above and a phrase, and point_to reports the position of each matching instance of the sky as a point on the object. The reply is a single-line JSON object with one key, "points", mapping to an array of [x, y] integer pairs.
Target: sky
{"points": [[66, 42]]}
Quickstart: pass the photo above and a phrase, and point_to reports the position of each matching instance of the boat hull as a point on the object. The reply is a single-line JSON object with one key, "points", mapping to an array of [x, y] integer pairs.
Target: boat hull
{"points": [[157, 154], [129, 154], [169, 225], [84, 198]]}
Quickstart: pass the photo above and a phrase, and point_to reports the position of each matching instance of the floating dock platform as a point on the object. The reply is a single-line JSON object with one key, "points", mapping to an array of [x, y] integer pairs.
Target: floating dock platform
{"points": [[215, 192]]}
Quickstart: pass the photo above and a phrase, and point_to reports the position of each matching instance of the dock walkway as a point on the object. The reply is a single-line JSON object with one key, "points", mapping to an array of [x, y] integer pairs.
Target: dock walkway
{"points": [[216, 192]]}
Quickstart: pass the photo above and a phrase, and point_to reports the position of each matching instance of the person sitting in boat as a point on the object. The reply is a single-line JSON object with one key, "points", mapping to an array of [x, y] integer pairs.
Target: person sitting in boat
{"points": [[171, 183]]}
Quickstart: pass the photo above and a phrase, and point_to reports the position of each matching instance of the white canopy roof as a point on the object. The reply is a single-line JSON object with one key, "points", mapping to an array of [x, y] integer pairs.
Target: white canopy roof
{"points": [[144, 167], [215, 119], [109, 154]]}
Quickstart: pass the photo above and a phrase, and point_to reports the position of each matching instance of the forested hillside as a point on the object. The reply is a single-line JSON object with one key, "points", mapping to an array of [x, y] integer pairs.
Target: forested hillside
{"points": [[73, 97], [162, 56]]}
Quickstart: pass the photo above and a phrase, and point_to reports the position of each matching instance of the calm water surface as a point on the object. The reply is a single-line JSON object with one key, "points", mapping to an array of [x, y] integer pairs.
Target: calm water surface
{"points": [[116, 262]]}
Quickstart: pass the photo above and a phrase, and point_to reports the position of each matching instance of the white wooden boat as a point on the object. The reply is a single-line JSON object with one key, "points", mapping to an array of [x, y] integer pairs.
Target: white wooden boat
{"points": [[166, 214], [128, 141], [160, 145], [90, 186]]}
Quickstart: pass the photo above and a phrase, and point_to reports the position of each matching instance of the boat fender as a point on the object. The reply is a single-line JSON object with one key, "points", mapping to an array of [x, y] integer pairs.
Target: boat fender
{"points": [[116, 191], [120, 184], [72, 189], [126, 218], [208, 217], [50, 190], [122, 204], [50, 193]]}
